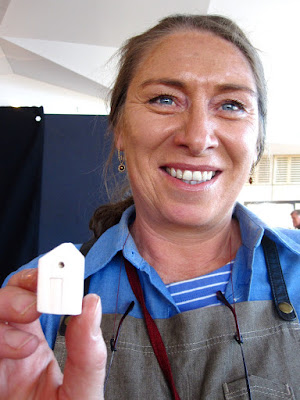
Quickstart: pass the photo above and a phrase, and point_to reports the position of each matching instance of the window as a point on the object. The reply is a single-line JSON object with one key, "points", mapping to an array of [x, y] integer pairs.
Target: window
{"points": [[263, 172], [277, 170], [286, 170], [295, 169]]}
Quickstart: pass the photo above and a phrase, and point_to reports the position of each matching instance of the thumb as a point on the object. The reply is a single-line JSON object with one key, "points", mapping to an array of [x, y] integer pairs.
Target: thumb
{"points": [[84, 372]]}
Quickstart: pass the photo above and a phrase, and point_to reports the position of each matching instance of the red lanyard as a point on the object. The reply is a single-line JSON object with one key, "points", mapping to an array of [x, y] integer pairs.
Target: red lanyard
{"points": [[153, 332]]}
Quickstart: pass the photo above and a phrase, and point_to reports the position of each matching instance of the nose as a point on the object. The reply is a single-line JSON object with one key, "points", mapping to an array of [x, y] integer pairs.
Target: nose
{"points": [[197, 131]]}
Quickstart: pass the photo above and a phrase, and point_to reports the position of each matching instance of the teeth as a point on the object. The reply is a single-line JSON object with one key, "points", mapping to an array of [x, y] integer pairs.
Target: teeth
{"points": [[191, 177], [179, 174], [187, 176], [172, 173], [197, 176]]}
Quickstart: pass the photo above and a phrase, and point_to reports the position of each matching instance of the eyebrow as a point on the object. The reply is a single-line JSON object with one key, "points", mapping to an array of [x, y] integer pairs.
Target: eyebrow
{"points": [[163, 81], [227, 87]]}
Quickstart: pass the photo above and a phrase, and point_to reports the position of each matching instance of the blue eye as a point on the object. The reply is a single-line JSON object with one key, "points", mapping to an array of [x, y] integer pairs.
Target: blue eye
{"points": [[232, 106], [163, 100]]}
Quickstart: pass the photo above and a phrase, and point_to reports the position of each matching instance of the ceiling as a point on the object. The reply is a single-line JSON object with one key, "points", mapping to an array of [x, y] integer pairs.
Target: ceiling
{"points": [[57, 53]]}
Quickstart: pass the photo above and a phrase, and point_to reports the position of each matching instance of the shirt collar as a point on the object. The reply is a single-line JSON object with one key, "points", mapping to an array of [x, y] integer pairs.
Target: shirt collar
{"points": [[253, 229], [118, 238], [110, 243]]}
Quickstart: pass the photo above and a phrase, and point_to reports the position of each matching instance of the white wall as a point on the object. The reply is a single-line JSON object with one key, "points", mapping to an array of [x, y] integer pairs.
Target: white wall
{"points": [[20, 91]]}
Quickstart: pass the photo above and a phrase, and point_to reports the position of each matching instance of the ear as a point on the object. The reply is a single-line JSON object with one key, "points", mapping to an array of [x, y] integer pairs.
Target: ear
{"points": [[119, 138]]}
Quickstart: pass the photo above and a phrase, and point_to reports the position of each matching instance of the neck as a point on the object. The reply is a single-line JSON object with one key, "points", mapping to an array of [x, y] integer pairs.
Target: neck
{"points": [[180, 257]]}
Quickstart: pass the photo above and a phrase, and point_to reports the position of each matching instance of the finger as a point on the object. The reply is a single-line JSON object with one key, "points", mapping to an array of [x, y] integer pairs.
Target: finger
{"points": [[85, 366], [17, 305], [18, 339], [26, 279], [15, 343]]}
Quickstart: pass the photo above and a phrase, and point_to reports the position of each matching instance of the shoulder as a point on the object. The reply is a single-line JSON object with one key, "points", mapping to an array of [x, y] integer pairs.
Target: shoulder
{"points": [[32, 264], [293, 234], [288, 238], [253, 229]]}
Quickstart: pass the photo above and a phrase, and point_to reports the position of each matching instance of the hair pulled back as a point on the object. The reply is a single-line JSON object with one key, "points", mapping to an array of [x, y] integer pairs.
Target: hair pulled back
{"points": [[132, 55]]}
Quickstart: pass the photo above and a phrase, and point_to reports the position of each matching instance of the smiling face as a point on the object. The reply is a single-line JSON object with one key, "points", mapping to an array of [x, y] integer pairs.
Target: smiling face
{"points": [[189, 130]]}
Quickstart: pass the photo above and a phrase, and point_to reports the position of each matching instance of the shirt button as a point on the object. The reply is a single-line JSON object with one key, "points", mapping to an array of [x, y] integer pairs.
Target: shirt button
{"points": [[286, 308]]}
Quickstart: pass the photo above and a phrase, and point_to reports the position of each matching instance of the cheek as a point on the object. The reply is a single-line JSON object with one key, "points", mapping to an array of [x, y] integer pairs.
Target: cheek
{"points": [[241, 153], [246, 143], [139, 133]]}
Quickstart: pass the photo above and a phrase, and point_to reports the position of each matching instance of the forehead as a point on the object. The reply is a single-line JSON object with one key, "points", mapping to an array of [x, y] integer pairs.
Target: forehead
{"points": [[200, 54]]}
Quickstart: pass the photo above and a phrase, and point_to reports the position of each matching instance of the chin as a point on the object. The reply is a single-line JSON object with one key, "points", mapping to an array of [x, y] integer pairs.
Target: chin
{"points": [[188, 216]]}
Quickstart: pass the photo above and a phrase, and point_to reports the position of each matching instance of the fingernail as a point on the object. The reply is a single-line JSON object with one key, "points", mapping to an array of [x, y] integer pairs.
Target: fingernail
{"points": [[22, 303], [97, 316], [17, 339], [29, 273]]}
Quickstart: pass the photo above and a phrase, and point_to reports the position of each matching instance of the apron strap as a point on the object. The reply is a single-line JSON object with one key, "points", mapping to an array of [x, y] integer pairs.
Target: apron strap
{"points": [[153, 332], [282, 302]]}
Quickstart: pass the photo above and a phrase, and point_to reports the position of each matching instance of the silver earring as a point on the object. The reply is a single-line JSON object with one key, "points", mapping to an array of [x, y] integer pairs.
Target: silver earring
{"points": [[121, 167]]}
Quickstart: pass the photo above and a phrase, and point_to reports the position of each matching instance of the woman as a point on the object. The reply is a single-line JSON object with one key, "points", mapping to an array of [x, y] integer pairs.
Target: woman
{"points": [[188, 115]]}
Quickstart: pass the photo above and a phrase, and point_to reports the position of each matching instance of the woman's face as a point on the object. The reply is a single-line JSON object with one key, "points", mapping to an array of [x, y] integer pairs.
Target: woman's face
{"points": [[189, 130]]}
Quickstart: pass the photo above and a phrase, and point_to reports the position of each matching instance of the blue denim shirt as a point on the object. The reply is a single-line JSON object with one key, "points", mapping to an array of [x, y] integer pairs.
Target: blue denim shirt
{"points": [[249, 275]]}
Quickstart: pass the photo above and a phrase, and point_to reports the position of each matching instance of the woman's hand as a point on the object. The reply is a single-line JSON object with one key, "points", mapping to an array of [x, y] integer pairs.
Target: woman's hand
{"points": [[28, 368]]}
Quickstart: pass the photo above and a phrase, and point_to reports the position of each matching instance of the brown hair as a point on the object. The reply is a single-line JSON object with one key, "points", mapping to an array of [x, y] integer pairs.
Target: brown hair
{"points": [[295, 212], [131, 55]]}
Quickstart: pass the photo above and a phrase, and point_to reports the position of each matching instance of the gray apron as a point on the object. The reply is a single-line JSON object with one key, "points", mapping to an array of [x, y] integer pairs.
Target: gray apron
{"points": [[205, 358]]}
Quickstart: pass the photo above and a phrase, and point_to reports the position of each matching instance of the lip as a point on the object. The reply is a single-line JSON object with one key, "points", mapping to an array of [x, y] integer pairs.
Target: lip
{"points": [[191, 167]]}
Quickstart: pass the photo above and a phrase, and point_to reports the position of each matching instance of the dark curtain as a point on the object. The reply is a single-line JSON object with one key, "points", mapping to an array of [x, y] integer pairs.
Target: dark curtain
{"points": [[75, 151], [21, 151]]}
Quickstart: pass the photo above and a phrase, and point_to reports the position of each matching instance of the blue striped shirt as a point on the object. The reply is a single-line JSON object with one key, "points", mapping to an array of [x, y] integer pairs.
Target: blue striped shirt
{"points": [[201, 291]]}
